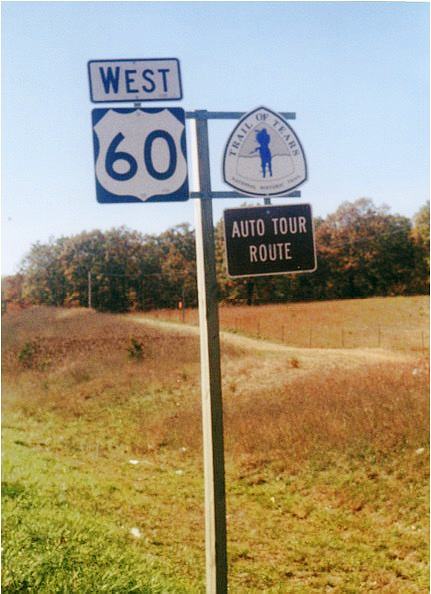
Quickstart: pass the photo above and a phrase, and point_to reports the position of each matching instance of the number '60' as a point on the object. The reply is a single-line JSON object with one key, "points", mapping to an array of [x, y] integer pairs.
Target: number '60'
{"points": [[112, 156]]}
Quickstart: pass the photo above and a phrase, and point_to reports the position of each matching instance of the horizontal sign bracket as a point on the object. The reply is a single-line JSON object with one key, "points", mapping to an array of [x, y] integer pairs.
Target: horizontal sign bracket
{"points": [[231, 194], [227, 115]]}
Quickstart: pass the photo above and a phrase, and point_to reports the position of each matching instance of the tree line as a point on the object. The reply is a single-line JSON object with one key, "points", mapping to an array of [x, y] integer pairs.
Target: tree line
{"points": [[362, 250]]}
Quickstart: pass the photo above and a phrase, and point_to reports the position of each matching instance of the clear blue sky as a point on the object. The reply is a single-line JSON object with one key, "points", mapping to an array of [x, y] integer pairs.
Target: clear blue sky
{"points": [[356, 74]]}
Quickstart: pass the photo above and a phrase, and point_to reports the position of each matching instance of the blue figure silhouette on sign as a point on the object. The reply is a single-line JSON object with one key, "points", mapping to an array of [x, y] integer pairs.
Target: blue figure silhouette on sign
{"points": [[263, 139]]}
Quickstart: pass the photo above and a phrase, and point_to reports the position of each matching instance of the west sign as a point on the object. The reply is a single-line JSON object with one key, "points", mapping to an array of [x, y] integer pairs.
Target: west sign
{"points": [[116, 81], [263, 156], [263, 240]]}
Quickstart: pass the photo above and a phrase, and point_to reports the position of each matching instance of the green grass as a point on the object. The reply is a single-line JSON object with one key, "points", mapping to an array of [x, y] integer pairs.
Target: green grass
{"points": [[67, 517], [351, 525], [342, 518]]}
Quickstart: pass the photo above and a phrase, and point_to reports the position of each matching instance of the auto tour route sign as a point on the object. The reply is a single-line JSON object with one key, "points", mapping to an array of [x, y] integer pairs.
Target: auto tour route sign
{"points": [[263, 240], [263, 156]]}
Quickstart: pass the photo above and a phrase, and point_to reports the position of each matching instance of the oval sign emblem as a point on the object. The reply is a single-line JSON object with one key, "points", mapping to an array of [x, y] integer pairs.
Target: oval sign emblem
{"points": [[263, 156]]}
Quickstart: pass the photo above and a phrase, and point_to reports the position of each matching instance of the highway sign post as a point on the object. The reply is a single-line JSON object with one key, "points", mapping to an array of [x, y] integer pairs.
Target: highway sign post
{"points": [[140, 156], [211, 393], [212, 407]]}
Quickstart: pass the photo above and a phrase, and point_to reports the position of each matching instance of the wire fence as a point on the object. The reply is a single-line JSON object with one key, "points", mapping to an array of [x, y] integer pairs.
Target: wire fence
{"points": [[306, 335]]}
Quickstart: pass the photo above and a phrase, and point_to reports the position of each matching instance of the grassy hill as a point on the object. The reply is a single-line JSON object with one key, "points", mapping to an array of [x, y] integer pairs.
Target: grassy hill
{"points": [[326, 460]]}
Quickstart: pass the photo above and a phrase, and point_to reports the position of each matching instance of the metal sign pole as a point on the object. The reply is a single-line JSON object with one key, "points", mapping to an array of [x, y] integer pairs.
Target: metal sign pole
{"points": [[212, 413]]}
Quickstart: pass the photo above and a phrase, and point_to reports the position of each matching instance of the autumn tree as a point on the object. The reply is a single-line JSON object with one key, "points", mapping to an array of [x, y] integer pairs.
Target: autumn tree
{"points": [[421, 225], [421, 238], [178, 266], [362, 250], [365, 251], [12, 291], [44, 280], [125, 269]]}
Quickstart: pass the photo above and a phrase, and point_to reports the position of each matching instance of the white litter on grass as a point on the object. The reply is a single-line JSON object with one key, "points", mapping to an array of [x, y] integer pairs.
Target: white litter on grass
{"points": [[135, 532], [134, 462], [415, 371], [179, 472], [420, 451]]}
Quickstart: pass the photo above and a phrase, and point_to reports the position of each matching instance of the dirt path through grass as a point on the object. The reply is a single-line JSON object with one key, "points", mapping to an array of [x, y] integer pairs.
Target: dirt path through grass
{"points": [[311, 358], [267, 365]]}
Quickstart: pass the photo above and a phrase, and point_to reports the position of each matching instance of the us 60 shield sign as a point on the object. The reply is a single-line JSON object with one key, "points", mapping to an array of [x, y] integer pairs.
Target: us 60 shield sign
{"points": [[140, 155]]}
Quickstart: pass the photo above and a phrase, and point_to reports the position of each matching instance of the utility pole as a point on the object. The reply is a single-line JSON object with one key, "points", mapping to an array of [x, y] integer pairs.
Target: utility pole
{"points": [[89, 289], [183, 302]]}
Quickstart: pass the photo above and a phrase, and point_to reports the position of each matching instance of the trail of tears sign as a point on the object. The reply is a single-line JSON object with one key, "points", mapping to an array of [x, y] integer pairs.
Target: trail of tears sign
{"points": [[265, 240], [263, 156]]}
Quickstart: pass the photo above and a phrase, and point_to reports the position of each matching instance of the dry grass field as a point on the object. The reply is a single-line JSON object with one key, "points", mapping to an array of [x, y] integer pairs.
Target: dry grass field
{"points": [[387, 322], [326, 457]]}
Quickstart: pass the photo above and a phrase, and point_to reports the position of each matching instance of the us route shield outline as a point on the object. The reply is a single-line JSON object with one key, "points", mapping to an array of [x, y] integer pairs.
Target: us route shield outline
{"points": [[135, 124], [263, 155]]}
